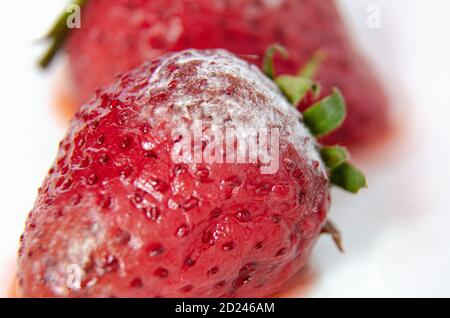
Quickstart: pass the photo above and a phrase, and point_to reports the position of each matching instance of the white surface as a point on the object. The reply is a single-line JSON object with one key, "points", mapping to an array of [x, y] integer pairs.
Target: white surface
{"points": [[396, 233]]}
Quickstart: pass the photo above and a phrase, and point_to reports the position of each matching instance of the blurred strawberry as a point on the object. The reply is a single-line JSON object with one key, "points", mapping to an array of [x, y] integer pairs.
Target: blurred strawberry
{"points": [[117, 35], [117, 216]]}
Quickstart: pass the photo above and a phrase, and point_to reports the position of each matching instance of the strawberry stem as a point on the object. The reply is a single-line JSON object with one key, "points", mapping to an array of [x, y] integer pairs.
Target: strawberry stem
{"points": [[55, 45], [57, 35]]}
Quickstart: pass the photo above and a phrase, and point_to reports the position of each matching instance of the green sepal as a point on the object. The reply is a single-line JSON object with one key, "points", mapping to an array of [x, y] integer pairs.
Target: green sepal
{"points": [[321, 118], [296, 87], [334, 156], [311, 67], [348, 177], [268, 65], [326, 115]]}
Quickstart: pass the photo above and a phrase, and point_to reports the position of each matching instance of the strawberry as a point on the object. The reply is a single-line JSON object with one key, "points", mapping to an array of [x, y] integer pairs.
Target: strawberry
{"points": [[117, 35], [118, 216]]}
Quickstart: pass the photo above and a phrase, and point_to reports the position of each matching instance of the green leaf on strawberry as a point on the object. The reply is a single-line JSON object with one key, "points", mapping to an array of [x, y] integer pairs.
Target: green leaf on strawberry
{"points": [[322, 118], [334, 156], [348, 177], [268, 64], [326, 115], [312, 66], [296, 87]]}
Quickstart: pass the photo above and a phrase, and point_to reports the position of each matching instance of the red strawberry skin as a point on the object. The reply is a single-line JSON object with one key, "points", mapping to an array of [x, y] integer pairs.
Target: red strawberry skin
{"points": [[117, 217], [117, 35]]}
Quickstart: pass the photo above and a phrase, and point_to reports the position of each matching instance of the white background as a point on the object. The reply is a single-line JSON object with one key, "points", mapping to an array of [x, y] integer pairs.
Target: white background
{"points": [[397, 233]]}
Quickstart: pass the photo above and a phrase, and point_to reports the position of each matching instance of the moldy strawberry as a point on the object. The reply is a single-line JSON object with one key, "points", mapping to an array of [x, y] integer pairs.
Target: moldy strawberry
{"points": [[118, 217]]}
